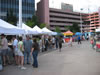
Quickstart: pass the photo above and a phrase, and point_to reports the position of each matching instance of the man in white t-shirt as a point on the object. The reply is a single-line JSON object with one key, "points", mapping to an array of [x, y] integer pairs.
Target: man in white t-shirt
{"points": [[53, 41], [15, 47]]}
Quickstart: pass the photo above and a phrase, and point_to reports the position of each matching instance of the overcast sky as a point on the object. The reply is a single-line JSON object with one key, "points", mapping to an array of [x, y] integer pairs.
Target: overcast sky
{"points": [[93, 5]]}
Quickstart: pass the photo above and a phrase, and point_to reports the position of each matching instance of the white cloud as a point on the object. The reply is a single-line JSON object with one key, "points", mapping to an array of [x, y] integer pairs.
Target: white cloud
{"points": [[77, 4]]}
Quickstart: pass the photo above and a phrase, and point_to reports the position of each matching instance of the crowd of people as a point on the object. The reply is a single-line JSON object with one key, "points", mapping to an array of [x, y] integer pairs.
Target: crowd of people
{"points": [[78, 39], [25, 50]]}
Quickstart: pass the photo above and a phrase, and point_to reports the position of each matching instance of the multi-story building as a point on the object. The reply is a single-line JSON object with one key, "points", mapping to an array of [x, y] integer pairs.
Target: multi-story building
{"points": [[56, 17], [85, 23], [43, 12], [61, 18], [67, 7], [94, 19], [28, 8]]}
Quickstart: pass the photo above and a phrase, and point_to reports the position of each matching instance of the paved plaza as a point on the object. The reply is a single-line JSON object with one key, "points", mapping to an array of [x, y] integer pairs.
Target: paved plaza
{"points": [[76, 60]]}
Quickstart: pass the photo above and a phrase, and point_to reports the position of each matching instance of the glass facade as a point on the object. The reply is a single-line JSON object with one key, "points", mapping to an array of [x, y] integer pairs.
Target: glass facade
{"points": [[0, 8], [28, 8]]}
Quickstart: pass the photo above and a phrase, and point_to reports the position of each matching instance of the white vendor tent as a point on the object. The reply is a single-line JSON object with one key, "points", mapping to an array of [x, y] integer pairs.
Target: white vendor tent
{"points": [[28, 29], [7, 28], [37, 29], [98, 30], [54, 33], [46, 31]]}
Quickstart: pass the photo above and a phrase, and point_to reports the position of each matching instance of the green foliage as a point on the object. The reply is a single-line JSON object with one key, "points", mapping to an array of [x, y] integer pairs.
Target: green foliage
{"points": [[32, 21], [68, 28], [35, 20], [74, 28], [11, 18], [57, 30], [42, 25]]}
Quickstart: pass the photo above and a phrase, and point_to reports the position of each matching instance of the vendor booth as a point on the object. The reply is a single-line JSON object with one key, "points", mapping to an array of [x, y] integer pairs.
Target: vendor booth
{"points": [[78, 33], [7, 28], [37, 29], [28, 30], [46, 31], [67, 35]]}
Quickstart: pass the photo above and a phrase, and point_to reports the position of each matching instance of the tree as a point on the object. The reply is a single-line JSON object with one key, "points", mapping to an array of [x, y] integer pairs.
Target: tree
{"points": [[11, 18], [35, 20], [42, 25], [57, 30], [74, 28], [68, 28], [32, 21]]}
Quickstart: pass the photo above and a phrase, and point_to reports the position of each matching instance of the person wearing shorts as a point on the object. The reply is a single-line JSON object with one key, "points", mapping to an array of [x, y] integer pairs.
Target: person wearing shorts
{"points": [[21, 53], [15, 47]]}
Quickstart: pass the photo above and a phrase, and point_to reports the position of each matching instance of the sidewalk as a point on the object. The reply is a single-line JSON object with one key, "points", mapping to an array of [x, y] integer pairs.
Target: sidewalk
{"points": [[77, 60]]}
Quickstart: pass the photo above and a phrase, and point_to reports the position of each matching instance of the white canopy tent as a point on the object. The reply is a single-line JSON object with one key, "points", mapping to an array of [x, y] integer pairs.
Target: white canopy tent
{"points": [[37, 29], [46, 31], [54, 33], [28, 29], [7, 28], [98, 30]]}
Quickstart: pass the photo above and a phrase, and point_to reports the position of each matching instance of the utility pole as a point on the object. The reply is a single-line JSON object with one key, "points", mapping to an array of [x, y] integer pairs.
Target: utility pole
{"points": [[81, 19], [20, 14]]}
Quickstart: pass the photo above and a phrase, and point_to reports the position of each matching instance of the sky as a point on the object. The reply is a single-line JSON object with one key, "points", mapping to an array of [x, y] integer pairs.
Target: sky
{"points": [[92, 5]]}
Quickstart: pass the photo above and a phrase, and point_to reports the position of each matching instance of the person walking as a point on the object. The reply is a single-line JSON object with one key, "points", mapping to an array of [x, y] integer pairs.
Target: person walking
{"points": [[46, 44], [70, 41], [56, 40], [27, 49], [53, 42], [79, 40], [34, 52], [60, 44]]}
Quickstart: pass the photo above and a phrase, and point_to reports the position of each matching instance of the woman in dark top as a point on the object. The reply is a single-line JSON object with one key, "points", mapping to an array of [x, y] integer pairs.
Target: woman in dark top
{"points": [[60, 44], [34, 52]]}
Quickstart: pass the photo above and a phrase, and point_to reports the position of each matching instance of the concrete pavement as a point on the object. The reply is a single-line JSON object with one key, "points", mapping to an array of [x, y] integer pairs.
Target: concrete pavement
{"points": [[76, 60]]}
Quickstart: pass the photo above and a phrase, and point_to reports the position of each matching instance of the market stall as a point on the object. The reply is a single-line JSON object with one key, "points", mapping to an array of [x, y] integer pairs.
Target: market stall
{"points": [[67, 34], [78, 33], [46, 31], [37, 29], [7, 28], [28, 30]]}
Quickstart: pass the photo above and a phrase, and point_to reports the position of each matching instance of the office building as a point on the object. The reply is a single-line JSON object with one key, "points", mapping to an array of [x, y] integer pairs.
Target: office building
{"points": [[28, 8], [67, 7], [56, 17], [94, 19]]}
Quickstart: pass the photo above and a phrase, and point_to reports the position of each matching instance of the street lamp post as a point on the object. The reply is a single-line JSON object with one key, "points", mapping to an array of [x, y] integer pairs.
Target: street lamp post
{"points": [[81, 19], [20, 13]]}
